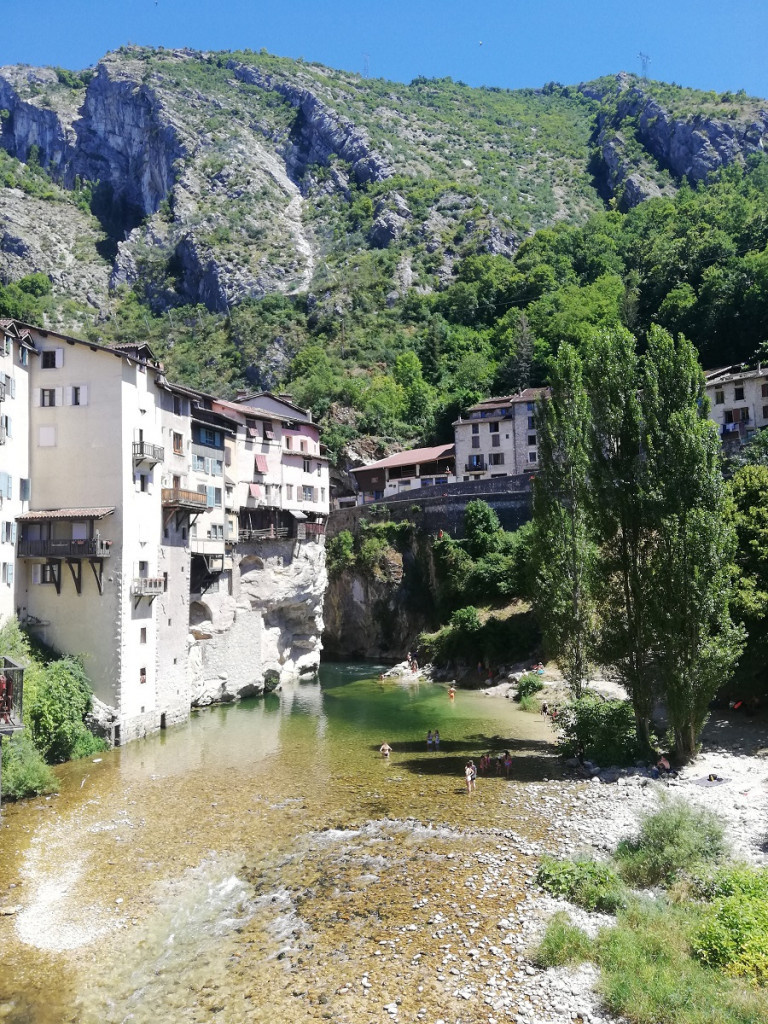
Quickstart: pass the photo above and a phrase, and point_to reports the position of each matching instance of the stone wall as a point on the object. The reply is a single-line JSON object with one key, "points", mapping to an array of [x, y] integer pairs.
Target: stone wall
{"points": [[442, 508]]}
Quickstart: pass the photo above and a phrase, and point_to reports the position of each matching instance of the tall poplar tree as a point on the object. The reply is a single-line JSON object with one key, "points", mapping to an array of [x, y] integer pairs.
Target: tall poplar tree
{"points": [[564, 593], [697, 644], [619, 499]]}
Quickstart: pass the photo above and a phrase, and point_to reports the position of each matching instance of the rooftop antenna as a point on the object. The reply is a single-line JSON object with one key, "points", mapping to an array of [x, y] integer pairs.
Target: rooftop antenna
{"points": [[645, 60], [365, 65]]}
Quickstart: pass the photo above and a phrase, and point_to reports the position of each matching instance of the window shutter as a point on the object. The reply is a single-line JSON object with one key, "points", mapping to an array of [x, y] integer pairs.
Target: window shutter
{"points": [[150, 483], [59, 357], [9, 576], [83, 394], [207, 465], [13, 533], [12, 383], [37, 572], [8, 426], [59, 396], [9, 486], [210, 495], [36, 396], [137, 481], [68, 395]]}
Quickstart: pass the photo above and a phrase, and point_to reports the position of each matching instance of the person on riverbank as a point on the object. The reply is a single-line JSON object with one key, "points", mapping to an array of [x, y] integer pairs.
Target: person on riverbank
{"points": [[470, 774], [430, 740], [385, 749], [437, 740]]}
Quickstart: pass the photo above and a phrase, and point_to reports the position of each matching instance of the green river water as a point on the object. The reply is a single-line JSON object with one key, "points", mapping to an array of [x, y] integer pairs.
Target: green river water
{"points": [[264, 863]]}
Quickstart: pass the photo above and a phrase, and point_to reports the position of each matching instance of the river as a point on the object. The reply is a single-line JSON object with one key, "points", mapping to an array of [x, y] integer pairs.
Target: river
{"points": [[264, 863]]}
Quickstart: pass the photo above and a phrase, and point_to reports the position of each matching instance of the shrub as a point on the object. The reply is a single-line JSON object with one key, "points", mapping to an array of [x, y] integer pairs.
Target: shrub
{"points": [[563, 943], [529, 704], [734, 937], [55, 710], [529, 684], [675, 839], [340, 553], [25, 773], [590, 884], [603, 730]]}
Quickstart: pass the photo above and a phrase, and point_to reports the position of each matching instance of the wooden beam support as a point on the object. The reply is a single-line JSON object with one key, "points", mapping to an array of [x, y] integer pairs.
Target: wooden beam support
{"points": [[98, 573], [77, 576]]}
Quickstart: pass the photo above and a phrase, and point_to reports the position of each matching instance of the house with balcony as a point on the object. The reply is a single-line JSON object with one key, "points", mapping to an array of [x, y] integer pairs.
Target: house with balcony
{"points": [[404, 472], [738, 402], [497, 437]]}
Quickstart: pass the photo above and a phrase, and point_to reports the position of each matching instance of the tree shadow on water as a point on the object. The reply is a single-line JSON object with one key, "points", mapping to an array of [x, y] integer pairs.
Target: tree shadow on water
{"points": [[532, 760]]}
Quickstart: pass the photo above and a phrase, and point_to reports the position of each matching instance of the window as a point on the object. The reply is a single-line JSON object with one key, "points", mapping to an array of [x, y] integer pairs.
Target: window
{"points": [[24, 489], [496, 459], [76, 394], [476, 462], [198, 463], [475, 428], [6, 485], [217, 467], [765, 412], [216, 532], [47, 397], [144, 482], [51, 358], [493, 428], [303, 445], [322, 494], [531, 439], [764, 391], [308, 493], [23, 356], [475, 441], [216, 497], [719, 397], [165, 583], [178, 407], [738, 393], [307, 466], [142, 675], [289, 492], [212, 438], [143, 570], [532, 457], [495, 440], [143, 635], [288, 442], [47, 574], [178, 444], [7, 344], [531, 423]]}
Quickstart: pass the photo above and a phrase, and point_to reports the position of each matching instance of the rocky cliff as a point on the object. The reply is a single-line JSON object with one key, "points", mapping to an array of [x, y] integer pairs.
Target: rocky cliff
{"points": [[267, 632]]}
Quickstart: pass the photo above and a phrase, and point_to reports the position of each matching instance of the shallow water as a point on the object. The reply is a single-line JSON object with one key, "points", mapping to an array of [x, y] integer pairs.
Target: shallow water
{"points": [[264, 863]]}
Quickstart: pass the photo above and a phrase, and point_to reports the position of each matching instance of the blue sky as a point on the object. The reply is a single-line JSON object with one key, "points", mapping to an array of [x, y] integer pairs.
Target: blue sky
{"points": [[706, 44]]}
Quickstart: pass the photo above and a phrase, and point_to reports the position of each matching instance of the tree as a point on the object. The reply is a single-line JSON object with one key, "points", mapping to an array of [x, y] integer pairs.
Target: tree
{"points": [[566, 549], [696, 641], [481, 528], [619, 499], [514, 372]]}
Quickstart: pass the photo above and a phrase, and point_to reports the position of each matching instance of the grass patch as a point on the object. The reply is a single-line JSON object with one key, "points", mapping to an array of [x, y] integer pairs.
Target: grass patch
{"points": [[649, 976], [676, 839], [528, 703], [563, 943], [590, 884]]}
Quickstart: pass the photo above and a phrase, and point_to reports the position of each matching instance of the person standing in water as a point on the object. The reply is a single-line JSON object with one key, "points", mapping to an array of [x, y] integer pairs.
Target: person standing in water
{"points": [[429, 740], [451, 693], [385, 749], [437, 740]]}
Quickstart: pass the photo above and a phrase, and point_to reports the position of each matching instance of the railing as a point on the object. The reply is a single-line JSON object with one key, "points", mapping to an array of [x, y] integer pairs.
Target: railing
{"points": [[11, 694], [92, 548], [148, 586], [277, 533], [475, 467], [182, 498], [206, 545], [316, 529], [151, 452]]}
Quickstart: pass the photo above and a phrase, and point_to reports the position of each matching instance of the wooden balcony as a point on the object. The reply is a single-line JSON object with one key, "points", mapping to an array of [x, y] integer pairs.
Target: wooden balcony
{"points": [[92, 548], [145, 452], [275, 533], [147, 586], [177, 498]]}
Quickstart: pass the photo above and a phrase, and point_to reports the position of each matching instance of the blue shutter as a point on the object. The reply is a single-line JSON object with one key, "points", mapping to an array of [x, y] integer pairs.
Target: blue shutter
{"points": [[210, 493]]}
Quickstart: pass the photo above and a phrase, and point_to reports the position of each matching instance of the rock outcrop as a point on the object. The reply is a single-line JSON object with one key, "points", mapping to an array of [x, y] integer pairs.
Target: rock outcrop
{"points": [[267, 632]]}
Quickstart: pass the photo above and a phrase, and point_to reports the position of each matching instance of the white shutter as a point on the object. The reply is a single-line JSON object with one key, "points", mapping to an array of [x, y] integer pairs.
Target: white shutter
{"points": [[83, 394], [150, 483], [68, 395], [13, 533], [59, 396], [208, 466], [137, 481], [12, 382], [37, 572], [8, 426], [59, 357], [9, 574], [35, 396]]}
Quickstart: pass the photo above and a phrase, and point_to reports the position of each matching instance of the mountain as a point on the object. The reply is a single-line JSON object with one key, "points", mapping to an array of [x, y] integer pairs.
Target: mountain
{"points": [[241, 208]]}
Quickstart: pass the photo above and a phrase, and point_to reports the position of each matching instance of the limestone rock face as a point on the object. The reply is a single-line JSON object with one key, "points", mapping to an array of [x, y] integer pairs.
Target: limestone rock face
{"points": [[267, 632]]}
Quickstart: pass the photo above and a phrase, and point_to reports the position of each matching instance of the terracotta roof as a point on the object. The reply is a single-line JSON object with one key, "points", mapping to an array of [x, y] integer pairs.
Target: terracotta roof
{"points": [[67, 513], [410, 458]]}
